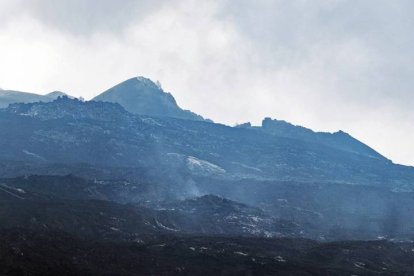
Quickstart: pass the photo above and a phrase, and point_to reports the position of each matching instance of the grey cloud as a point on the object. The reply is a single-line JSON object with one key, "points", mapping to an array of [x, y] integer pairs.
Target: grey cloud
{"points": [[290, 33], [83, 17]]}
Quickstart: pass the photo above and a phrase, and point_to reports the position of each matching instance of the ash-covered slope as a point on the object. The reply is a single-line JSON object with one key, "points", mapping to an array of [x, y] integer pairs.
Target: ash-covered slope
{"points": [[90, 209], [142, 96], [210, 214]]}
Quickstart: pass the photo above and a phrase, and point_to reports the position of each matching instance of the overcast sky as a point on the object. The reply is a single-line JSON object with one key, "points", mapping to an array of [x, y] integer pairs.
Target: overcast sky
{"points": [[323, 64]]}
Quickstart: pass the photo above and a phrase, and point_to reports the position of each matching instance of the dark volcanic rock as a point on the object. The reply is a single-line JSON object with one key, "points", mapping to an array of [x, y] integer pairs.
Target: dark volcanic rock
{"points": [[26, 252]]}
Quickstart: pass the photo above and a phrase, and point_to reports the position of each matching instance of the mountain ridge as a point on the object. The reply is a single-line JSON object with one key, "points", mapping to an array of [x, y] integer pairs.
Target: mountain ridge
{"points": [[339, 139], [196, 146], [142, 96]]}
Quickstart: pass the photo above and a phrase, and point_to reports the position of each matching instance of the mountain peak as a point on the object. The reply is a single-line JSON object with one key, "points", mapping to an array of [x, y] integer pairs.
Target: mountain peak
{"points": [[147, 82], [141, 95], [141, 82]]}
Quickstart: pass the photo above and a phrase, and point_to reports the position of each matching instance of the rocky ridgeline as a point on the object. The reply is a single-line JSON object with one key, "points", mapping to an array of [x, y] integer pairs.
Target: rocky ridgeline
{"points": [[64, 107]]}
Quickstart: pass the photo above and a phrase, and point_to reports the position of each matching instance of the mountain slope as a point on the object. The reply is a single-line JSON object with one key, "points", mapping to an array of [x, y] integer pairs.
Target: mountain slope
{"points": [[65, 202], [92, 189], [142, 96], [104, 134]]}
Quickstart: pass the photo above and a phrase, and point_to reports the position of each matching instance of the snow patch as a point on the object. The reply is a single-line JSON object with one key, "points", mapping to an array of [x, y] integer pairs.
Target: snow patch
{"points": [[6, 189], [359, 264], [203, 166], [280, 259], [33, 155], [159, 224], [20, 190], [151, 121]]}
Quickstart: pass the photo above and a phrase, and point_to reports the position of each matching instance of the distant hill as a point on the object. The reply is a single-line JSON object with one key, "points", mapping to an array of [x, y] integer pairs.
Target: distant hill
{"points": [[142, 96], [10, 96]]}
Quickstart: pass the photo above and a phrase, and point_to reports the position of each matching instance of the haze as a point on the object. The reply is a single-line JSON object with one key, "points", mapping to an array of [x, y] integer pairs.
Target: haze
{"points": [[326, 65]]}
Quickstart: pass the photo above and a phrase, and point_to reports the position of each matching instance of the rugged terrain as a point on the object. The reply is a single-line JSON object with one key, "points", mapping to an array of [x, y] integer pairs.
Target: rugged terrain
{"points": [[104, 187]]}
